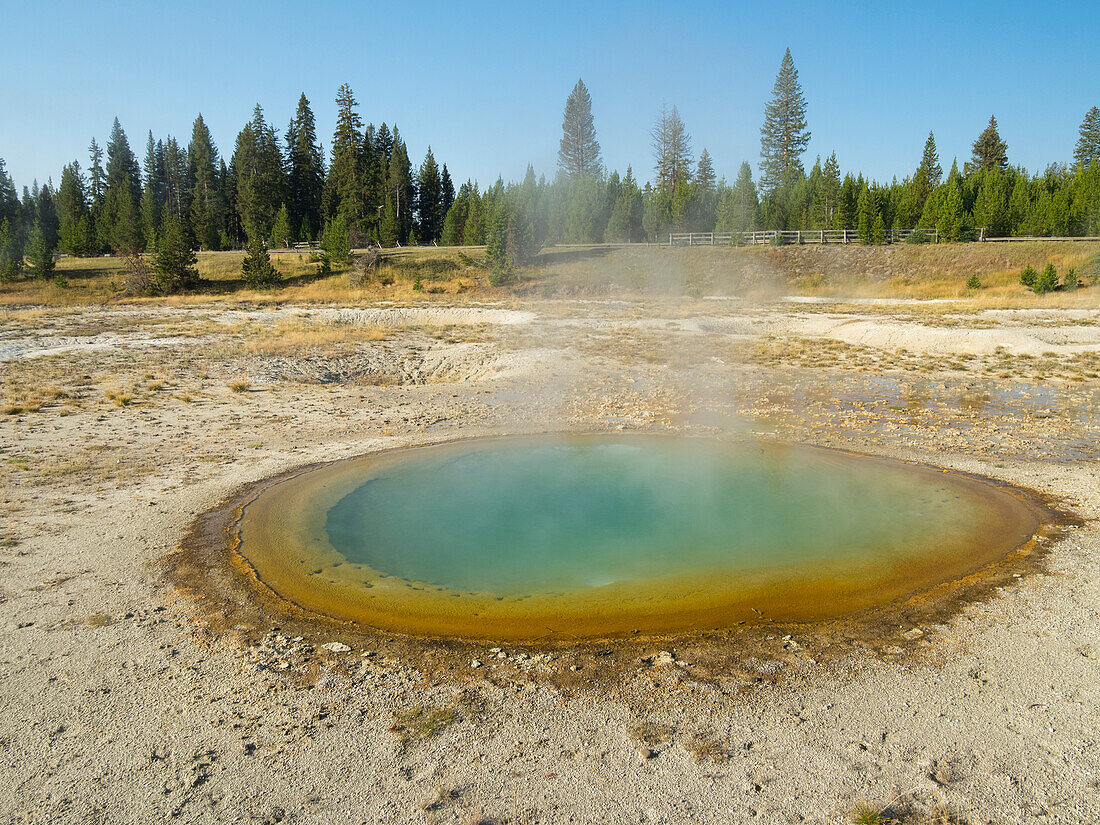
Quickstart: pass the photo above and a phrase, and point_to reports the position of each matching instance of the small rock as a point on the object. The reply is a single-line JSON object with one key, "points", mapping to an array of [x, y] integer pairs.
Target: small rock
{"points": [[912, 635], [335, 647], [645, 754], [475, 663]]}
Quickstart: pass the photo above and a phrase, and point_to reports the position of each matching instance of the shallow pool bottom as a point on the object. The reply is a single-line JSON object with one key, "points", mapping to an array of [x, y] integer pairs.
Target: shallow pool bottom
{"points": [[597, 535]]}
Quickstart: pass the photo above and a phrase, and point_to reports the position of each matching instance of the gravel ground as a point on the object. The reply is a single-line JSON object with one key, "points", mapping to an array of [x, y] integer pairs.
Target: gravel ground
{"points": [[125, 699]]}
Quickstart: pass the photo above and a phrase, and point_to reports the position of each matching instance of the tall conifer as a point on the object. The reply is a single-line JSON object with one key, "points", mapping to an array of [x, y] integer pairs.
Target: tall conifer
{"points": [[671, 150], [207, 209], [579, 151], [429, 200], [1087, 150], [784, 136], [345, 182], [990, 152], [305, 174]]}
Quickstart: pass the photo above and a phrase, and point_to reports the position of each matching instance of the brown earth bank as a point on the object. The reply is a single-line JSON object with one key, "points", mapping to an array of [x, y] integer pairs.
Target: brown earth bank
{"points": [[450, 275], [131, 695]]}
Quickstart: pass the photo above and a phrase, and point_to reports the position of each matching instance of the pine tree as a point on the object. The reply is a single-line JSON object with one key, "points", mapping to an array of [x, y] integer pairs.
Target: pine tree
{"points": [[990, 209], [429, 200], [259, 168], [345, 180], [257, 271], [473, 232], [829, 193], [501, 268], [925, 179], [335, 241], [990, 152], [446, 190], [207, 207], [625, 223], [865, 209], [45, 212], [704, 172], [174, 260], [878, 229], [784, 136], [389, 228], [1087, 151], [123, 195], [74, 216], [122, 220], [952, 224], [10, 208], [121, 163], [39, 252], [454, 224], [579, 151], [671, 150], [306, 175], [152, 195], [177, 187], [929, 169], [11, 252], [400, 193], [97, 178], [280, 230]]}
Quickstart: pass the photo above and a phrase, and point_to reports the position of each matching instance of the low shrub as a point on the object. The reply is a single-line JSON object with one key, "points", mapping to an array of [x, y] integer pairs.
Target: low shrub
{"points": [[1048, 280]]}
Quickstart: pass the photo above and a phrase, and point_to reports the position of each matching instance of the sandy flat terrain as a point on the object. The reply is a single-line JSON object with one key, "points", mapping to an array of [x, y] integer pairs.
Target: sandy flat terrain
{"points": [[126, 700]]}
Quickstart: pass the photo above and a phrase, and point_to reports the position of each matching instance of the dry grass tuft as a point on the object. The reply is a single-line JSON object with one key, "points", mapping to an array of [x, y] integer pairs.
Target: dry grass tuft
{"points": [[706, 749], [298, 335], [32, 399], [119, 397], [652, 734], [420, 723]]}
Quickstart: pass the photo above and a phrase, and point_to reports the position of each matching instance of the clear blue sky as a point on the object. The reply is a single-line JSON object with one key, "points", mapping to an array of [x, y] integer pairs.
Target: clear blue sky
{"points": [[485, 83]]}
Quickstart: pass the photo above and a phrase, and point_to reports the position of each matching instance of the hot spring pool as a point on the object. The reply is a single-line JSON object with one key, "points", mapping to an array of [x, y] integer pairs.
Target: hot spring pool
{"points": [[601, 535]]}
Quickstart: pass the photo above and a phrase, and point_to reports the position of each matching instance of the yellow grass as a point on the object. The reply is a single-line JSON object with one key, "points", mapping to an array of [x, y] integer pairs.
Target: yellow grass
{"points": [[898, 271], [300, 334]]}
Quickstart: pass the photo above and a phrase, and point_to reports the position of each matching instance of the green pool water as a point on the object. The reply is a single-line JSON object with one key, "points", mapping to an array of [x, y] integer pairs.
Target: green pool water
{"points": [[590, 533], [523, 518]]}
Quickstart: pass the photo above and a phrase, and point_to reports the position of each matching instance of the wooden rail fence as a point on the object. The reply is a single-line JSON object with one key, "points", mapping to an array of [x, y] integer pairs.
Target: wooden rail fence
{"points": [[776, 236]]}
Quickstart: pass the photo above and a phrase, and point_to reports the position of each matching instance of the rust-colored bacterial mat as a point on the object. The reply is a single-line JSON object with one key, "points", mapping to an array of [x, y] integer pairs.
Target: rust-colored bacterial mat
{"points": [[600, 535]]}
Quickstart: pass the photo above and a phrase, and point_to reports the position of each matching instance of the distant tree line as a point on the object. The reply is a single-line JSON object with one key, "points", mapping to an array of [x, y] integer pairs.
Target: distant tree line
{"points": [[278, 191], [271, 190]]}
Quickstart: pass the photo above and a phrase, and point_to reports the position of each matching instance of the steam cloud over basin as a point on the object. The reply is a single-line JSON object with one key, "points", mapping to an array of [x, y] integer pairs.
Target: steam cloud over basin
{"points": [[596, 535]]}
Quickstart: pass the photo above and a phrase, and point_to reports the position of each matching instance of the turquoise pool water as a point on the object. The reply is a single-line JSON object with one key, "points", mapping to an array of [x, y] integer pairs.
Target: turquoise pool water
{"points": [[596, 535], [567, 514]]}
